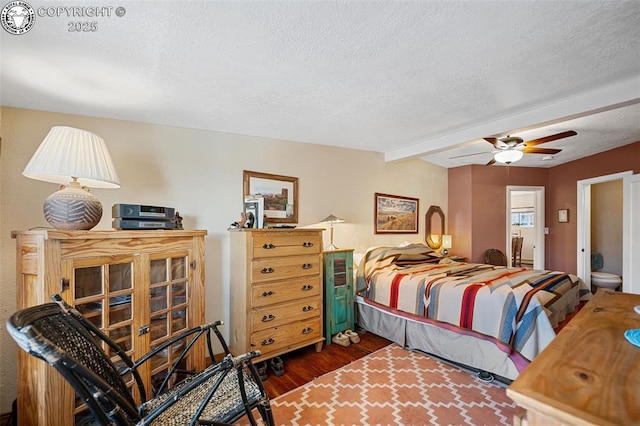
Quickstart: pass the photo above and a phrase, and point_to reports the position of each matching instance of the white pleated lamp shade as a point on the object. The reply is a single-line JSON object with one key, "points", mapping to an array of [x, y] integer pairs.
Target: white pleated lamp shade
{"points": [[67, 153], [78, 160]]}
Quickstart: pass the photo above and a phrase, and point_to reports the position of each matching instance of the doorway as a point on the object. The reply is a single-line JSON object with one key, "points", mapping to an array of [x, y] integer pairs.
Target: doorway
{"points": [[584, 223], [528, 203]]}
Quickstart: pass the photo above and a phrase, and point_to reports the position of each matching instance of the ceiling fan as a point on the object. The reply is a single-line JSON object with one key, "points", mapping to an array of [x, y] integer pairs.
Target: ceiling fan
{"points": [[512, 148]]}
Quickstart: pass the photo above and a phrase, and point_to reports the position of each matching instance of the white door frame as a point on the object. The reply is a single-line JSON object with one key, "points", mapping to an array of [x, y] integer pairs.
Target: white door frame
{"points": [[538, 220], [583, 247], [631, 234]]}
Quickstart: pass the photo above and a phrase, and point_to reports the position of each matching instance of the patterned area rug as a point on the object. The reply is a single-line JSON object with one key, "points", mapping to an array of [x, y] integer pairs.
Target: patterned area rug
{"points": [[394, 386]]}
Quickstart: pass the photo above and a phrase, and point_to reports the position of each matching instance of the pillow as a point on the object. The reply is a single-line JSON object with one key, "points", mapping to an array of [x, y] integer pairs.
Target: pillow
{"points": [[406, 259], [415, 256]]}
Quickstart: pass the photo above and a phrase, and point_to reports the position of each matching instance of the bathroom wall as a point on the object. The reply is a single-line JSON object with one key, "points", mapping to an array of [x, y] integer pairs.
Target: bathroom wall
{"points": [[606, 224]]}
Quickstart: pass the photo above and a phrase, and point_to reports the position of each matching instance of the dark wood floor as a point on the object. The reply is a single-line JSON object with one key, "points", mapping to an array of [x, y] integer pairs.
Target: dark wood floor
{"points": [[304, 365]]}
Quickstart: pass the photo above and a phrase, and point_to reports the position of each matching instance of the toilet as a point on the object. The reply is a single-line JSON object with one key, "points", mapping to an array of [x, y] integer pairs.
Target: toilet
{"points": [[602, 279]]}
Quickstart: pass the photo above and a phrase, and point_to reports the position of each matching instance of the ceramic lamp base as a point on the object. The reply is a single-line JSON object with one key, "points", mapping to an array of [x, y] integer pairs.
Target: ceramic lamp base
{"points": [[72, 208]]}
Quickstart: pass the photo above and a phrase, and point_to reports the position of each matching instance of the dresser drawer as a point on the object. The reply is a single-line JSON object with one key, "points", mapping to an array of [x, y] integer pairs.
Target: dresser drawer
{"points": [[284, 291], [285, 267], [277, 315], [276, 290], [292, 334], [286, 244]]}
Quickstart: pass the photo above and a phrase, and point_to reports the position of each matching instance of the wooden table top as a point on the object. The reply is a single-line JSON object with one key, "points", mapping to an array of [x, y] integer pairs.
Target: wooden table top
{"points": [[589, 374]]}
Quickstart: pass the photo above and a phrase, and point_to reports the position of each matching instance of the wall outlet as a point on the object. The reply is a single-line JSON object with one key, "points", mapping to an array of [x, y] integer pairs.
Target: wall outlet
{"points": [[546, 230]]}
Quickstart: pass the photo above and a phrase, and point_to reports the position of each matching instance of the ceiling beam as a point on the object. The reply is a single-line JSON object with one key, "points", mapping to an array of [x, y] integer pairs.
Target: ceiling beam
{"points": [[616, 95]]}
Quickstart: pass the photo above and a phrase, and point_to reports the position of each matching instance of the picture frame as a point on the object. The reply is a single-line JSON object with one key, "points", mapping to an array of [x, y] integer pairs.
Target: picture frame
{"points": [[254, 208], [563, 215], [280, 195], [395, 214]]}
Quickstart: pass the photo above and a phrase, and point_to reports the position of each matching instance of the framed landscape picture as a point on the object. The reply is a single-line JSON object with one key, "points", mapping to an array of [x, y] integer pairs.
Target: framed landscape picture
{"points": [[280, 194], [395, 214]]}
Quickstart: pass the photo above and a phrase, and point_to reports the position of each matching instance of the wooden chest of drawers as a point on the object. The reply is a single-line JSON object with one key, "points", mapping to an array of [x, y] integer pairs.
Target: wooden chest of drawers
{"points": [[276, 290]]}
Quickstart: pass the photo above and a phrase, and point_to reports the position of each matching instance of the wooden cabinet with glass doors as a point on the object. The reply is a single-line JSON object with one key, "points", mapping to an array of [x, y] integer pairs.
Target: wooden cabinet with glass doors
{"points": [[140, 287]]}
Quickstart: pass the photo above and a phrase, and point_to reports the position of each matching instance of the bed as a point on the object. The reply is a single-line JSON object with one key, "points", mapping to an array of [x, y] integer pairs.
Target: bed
{"points": [[491, 319]]}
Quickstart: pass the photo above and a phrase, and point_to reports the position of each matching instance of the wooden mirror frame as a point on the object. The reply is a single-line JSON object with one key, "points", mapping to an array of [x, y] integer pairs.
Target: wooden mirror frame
{"points": [[428, 218]]}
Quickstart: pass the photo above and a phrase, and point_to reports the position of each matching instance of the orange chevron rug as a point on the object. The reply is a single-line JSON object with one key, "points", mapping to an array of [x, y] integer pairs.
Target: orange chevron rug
{"points": [[394, 386]]}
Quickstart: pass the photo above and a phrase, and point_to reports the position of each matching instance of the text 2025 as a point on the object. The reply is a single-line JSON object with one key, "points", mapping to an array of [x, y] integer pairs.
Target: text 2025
{"points": [[78, 27]]}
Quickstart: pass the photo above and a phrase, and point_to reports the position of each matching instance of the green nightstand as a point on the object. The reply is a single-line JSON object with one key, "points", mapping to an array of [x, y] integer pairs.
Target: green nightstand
{"points": [[338, 292]]}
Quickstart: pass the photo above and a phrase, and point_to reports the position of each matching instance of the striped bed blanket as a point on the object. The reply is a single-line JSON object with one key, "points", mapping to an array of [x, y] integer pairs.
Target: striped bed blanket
{"points": [[516, 308]]}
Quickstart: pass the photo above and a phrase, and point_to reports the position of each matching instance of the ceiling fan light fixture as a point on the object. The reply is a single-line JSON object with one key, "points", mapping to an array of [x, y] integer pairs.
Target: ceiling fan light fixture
{"points": [[508, 156]]}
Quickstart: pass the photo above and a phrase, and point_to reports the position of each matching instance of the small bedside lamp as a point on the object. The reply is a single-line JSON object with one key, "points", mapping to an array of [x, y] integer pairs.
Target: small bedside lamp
{"points": [[78, 159], [332, 219], [446, 244]]}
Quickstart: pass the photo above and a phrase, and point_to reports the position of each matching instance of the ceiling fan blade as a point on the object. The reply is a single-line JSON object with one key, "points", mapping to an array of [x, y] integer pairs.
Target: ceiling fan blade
{"points": [[492, 141], [493, 160], [468, 155], [541, 151], [546, 139]]}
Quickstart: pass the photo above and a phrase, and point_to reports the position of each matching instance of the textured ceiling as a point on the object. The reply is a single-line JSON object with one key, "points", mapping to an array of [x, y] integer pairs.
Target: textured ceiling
{"points": [[421, 79]]}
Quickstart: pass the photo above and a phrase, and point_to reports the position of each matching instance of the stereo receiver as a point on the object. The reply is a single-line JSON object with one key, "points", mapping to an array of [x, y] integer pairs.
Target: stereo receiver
{"points": [[137, 211], [142, 224]]}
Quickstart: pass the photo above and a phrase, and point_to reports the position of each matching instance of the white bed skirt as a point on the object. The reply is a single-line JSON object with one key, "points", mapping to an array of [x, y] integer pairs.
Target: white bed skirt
{"points": [[472, 352]]}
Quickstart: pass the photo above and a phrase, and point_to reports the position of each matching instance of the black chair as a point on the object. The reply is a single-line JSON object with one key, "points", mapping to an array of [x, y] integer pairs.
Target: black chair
{"points": [[495, 257], [221, 394]]}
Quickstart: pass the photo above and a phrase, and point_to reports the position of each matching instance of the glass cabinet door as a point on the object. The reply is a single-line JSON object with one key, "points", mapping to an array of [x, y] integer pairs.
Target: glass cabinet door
{"points": [[104, 295], [169, 287]]}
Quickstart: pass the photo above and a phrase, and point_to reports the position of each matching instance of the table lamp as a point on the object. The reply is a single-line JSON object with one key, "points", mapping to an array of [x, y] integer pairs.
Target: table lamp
{"points": [[331, 219], [78, 159], [446, 244]]}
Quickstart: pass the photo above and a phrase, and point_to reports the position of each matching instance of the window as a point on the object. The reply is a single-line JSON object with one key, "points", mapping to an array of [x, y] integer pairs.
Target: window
{"points": [[522, 219]]}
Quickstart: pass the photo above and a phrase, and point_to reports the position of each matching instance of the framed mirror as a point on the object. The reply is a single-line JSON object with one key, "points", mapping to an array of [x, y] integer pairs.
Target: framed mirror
{"points": [[434, 227]]}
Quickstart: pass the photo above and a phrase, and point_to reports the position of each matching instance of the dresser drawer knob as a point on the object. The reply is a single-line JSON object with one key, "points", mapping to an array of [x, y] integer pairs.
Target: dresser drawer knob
{"points": [[307, 244], [307, 330], [267, 270], [307, 287], [307, 265], [267, 318], [268, 342], [268, 246], [267, 293], [307, 308]]}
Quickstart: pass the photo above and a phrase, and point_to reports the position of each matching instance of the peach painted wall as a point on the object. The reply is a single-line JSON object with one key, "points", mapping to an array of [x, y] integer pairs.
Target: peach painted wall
{"points": [[477, 199], [458, 221], [563, 194], [477, 202]]}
